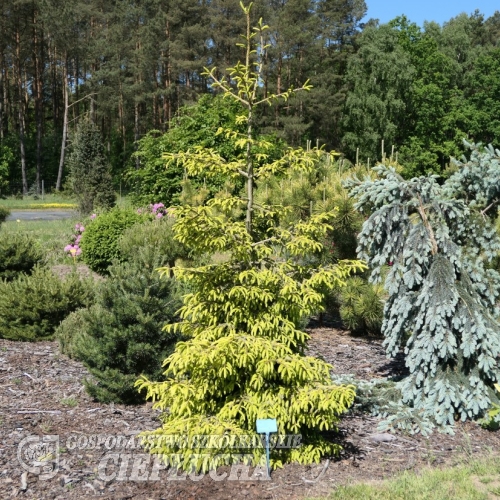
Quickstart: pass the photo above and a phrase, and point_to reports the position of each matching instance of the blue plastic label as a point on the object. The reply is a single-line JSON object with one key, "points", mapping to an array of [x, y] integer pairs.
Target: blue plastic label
{"points": [[266, 425]]}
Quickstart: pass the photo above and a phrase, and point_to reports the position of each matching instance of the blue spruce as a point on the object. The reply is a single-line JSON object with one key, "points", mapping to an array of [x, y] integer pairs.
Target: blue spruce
{"points": [[433, 246]]}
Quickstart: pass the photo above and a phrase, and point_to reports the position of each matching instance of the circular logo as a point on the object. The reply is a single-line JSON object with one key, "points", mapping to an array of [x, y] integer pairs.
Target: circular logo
{"points": [[39, 455]]}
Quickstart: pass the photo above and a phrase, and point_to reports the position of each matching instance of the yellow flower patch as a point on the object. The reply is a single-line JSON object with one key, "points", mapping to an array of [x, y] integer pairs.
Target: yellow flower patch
{"points": [[52, 205]]}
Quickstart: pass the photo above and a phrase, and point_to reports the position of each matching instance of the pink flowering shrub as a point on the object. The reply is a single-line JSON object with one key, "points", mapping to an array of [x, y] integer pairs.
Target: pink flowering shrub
{"points": [[156, 210], [73, 249]]}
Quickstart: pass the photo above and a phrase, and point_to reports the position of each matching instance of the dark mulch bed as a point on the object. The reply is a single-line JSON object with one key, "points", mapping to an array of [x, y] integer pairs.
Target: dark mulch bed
{"points": [[39, 386]]}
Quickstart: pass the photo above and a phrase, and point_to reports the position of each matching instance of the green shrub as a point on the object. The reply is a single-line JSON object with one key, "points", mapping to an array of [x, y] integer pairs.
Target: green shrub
{"points": [[120, 337], [361, 305], [156, 239], [31, 307], [99, 242], [193, 126], [70, 329], [4, 213], [19, 253]]}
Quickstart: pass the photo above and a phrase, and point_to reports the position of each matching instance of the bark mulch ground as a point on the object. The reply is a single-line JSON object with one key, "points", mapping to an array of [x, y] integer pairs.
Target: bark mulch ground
{"points": [[41, 394]]}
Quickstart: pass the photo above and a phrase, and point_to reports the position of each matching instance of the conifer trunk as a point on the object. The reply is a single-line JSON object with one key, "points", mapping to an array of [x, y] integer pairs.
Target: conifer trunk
{"points": [[249, 214], [250, 175]]}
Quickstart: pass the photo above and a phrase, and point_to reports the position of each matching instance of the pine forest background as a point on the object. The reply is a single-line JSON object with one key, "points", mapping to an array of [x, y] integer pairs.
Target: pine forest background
{"points": [[130, 67]]}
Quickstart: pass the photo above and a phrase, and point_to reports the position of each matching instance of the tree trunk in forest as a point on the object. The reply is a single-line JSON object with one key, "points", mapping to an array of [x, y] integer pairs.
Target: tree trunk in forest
{"points": [[22, 149], [93, 104], [7, 104], [65, 125], [38, 91], [278, 89], [2, 93], [93, 110], [26, 97], [167, 103], [76, 86], [156, 120], [136, 133], [55, 100], [121, 115], [20, 111]]}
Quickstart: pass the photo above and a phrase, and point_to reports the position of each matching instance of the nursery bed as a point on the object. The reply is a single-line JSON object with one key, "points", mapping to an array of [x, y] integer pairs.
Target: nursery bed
{"points": [[41, 393]]}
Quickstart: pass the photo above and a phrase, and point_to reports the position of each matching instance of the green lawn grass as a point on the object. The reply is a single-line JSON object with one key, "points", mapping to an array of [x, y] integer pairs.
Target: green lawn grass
{"points": [[53, 236], [478, 480]]}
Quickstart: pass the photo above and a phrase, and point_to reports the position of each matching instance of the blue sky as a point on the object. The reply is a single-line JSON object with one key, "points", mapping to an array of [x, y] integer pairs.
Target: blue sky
{"points": [[419, 11]]}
